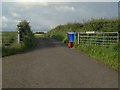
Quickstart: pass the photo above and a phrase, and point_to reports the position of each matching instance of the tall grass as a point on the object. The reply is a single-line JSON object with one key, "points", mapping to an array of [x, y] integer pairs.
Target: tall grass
{"points": [[107, 55]]}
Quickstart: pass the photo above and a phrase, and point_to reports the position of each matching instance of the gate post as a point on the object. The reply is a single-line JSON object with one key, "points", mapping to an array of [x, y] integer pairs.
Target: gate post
{"points": [[103, 38], [78, 38], [117, 37]]}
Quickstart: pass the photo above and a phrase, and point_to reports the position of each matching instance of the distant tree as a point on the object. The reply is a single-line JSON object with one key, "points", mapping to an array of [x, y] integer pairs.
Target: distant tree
{"points": [[39, 32]]}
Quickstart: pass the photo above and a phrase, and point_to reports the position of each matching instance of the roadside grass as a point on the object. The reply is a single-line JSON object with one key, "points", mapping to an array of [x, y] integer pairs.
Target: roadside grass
{"points": [[12, 49], [106, 54]]}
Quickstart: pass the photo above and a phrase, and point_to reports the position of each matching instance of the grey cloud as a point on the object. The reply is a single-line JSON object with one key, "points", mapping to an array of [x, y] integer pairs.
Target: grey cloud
{"points": [[45, 15], [65, 8]]}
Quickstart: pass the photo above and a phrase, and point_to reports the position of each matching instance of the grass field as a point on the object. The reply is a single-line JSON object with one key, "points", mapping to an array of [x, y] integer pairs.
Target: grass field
{"points": [[9, 38], [10, 45], [39, 35]]}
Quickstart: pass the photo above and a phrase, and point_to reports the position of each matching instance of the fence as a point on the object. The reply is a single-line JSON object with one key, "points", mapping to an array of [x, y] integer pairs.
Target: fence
{"points": [[100, 38]]}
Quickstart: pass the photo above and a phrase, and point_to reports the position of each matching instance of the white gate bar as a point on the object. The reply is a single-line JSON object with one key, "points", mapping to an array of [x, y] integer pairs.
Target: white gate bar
{"points": [[18, 36], [102, 37], [117, 37]]}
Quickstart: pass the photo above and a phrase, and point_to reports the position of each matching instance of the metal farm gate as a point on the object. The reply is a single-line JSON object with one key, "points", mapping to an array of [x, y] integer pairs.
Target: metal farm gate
{"points": [[100, 38]]}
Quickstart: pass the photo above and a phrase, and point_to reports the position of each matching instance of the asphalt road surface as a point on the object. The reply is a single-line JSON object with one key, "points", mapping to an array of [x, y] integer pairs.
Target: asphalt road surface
{"points": [[53, 65]]}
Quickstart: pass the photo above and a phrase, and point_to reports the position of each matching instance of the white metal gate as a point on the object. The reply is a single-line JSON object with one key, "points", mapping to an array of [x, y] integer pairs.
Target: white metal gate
{"points": [[101, 38]]}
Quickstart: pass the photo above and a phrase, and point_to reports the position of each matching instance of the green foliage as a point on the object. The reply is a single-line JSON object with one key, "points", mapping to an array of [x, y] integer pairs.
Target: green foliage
{"points": [[25, 25], [12, 49], [60, 32], [90, 25], [108, 55], [29, 40], [102, 24], [28, 36]]}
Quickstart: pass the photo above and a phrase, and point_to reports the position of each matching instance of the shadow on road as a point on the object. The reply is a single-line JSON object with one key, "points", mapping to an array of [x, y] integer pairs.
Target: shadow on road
{"points": [[48, 43]]}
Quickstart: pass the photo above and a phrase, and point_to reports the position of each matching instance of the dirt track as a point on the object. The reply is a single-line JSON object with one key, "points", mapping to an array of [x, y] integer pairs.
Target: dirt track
{"points": [[52, 65]]}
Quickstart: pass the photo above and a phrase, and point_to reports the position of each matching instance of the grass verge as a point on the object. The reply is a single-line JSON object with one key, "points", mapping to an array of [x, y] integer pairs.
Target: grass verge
{"points": [[106, 54]]}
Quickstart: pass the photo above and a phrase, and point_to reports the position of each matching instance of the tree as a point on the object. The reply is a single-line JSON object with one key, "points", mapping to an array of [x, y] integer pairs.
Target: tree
{"points": [[24, 29], [26, 35]]}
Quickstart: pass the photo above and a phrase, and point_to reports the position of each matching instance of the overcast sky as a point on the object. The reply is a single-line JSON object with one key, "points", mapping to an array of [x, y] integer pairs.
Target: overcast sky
{"points": [[45, 15]]}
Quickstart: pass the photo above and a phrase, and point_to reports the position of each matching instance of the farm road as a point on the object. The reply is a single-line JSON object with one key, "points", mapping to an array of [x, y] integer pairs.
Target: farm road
{"points": [[52, 65]]}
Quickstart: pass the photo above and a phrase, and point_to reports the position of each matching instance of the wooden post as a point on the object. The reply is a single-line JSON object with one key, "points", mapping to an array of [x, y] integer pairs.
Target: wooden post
{"points": [[78, 38], [18, 36]]}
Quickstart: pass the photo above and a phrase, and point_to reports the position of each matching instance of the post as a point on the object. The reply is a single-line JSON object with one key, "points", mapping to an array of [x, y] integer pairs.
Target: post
{"points": [[78, 38], [117, 37], [18, 36], [103, 39]]}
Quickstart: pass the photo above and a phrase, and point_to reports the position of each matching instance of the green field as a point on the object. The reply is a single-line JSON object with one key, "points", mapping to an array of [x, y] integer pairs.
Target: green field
{"points": [[106, 54], [39, 35], [9, 38], [10, 45]]}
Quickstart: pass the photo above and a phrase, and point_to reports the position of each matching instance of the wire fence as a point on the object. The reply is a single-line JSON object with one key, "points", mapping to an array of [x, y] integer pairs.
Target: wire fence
{"points": [[100, 38]]}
